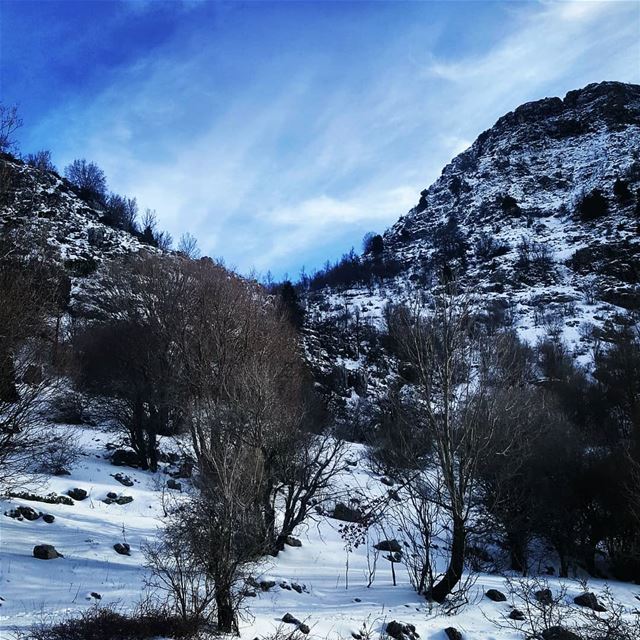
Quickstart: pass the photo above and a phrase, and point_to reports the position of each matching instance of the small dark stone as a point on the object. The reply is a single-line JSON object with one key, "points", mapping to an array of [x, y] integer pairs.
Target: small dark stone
{"points": [[265, 585], [289, 619], [77, 493], [46, 552], [516, 614], [124, 500], [303, 628], [297, 587], [590, 601], [388, 481], [495, 595], [292, 542], [544, 596], [452, 633], [48, 518], [122, 548], [112, 495], [559, 633], [124, 458], [61, 471], [23, 513], [123, 479], [285, 585], [96, 595], [388, 545], [401, 631], [342, 512], [174, 484]]}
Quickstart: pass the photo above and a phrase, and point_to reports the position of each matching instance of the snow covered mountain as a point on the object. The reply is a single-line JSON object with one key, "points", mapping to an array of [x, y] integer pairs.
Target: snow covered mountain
{"points": [[539, 219]]}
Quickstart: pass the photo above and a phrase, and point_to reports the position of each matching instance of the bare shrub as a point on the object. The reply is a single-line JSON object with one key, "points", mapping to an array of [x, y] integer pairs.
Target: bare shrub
{"points": [[107, 623], [61, 452], [178, 576]]}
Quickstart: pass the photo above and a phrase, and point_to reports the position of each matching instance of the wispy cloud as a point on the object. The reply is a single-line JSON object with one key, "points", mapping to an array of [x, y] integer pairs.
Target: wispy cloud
{"points": [[276, 151]]}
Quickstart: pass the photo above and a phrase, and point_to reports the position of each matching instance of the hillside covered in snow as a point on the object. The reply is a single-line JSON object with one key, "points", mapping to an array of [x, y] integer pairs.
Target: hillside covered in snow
{"points": [[438, 439]]}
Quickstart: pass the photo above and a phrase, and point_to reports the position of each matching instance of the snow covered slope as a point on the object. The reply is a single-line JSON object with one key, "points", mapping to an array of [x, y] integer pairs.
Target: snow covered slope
{"points": [[312, 582], [539, 219]]}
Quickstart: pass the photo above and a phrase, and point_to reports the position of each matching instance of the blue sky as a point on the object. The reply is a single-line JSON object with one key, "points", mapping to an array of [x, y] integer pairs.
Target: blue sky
{"points": [[279, 133]]}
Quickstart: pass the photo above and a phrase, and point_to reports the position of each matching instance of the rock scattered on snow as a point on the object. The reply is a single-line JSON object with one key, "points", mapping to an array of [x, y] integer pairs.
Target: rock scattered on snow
{"points": [[122, 548], [77, 493], [495, 595], [46, 552], [590, 601], [123, 479], [401, 631]]}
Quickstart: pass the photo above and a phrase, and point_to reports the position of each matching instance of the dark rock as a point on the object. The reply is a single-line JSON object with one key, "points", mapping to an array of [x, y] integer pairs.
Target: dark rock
{"points": [[289, 619], [48, 518], [124, 458], [303, 628], [292, 542], [516, 614], [46, 552], [388, 545], [265, 585], [77, 493], [285, 585], [297, 587], [388, 481], [544, 596], [122, 548], [346, 514], [124, 500], [96, 595], [495, 595], [401, 631], [590, 601], [61, 471], [559, 633], [123, 479], [51, 498], [23, 513], [112, 495], [452, 633], [174, 484]]}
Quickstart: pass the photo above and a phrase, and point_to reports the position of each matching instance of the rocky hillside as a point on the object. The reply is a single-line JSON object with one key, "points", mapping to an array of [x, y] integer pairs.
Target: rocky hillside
{"points": [[46, 214], [539, 218]]}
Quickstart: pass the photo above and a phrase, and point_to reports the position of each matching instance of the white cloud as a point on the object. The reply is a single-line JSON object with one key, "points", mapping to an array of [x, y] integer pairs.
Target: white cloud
{"points": [[264, 162]]}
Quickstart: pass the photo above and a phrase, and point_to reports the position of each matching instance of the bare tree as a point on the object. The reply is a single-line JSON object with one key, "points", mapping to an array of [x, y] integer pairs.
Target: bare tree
{"points": [[455, 371], [10, 122], [29, 294], [188, 246], [88, 178]]}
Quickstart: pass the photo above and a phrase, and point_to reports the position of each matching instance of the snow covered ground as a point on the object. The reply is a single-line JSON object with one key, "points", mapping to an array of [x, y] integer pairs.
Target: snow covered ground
{"points": [[32, 590]]}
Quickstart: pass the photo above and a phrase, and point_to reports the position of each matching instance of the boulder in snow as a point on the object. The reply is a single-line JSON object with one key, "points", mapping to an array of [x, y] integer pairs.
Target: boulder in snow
{"points": [[46, 552]]}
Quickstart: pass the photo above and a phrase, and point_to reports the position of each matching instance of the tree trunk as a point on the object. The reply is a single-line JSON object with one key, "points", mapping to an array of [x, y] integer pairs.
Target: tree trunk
{"points": [[456, 563], [518, 552], [8, 390], [226, 614]]}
